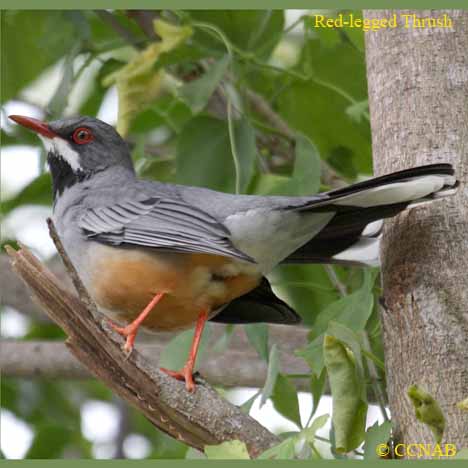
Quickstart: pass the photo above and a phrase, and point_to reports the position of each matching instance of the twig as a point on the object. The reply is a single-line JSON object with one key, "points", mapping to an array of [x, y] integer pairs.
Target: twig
{"points": [[263, 108], [113, 22], [335, 280], [144, 19], [196, 419], [373, 374]]}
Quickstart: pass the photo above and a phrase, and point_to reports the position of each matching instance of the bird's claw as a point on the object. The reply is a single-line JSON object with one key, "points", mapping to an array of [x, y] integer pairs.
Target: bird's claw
{"points": [[185, 374], [129, 333]]}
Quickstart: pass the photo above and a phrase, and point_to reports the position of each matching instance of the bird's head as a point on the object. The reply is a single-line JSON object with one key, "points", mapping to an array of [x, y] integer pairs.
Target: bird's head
{"points": [[78, 147]]}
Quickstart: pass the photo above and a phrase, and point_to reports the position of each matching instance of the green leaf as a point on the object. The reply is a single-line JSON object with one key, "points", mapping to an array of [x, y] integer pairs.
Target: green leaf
{"points": [[203, 156], [168, 110], [427, 411], [258, 31], [317, 107], [272, 375], [376, 435], [223, 341], [197, 93], [349, 410], [329, 37], [305, 179], [9, 393], [138, 84], [38, 192], [92, 104], [358, 111], [184, 53], [356, 35], [271, 184], [257, 333], [336, 455], [306, 174], [230, 450], [31, 41], [341, 159], [59, 100], [80, 22], [49, 441], [285, 400], [349, 338], [18, 136], [307, 287], [104, 37], [317, 423], [246, 152], [317, 387], [174, 354], [283, 451], [352, 310], [45, 331], [247, 405], [313, 355]]}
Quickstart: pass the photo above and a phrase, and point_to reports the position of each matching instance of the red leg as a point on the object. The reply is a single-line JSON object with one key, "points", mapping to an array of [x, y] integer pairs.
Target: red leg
{"points": [[186, 373], [130, 331]]}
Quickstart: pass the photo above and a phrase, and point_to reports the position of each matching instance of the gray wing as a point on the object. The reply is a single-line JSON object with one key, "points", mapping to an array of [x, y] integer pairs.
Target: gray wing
{"points": [[162, 223]]}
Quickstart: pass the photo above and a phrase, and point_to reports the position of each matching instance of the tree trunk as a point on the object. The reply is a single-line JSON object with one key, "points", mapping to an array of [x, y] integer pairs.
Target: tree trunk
{"points": [[418, 97]]}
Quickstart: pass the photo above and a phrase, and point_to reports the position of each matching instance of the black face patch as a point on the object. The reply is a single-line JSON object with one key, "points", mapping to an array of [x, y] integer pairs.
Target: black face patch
{"points": [[62, 174]]}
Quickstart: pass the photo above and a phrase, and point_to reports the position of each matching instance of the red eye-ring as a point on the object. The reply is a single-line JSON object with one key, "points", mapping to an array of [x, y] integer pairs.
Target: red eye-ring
{"points": [[82, 135]]}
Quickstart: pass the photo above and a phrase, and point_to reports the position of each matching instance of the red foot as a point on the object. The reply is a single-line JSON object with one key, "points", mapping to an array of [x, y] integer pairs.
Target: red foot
{"points": [[185, 374], [129, 332]]}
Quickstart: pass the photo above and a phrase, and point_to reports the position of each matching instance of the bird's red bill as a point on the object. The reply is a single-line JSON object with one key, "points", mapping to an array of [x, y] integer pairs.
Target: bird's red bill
{"points": [[33, 124]]}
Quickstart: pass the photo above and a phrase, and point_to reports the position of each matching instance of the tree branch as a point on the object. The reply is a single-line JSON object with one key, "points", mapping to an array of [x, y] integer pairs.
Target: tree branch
{"points": [[234, 368], [144, 19], [123, 32], [263, 108], [198, 419]]}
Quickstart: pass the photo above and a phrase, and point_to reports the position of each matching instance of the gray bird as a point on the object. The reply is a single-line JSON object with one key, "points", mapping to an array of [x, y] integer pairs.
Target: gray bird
{"points": [[197, 253]]}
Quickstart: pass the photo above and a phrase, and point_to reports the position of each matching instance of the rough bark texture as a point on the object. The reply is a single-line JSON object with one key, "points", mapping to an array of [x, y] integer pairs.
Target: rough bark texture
{"points": [[418, 97], [197, 419]]}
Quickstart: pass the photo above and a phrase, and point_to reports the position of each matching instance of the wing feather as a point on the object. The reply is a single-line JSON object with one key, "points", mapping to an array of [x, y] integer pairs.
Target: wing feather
{"points": [[159, 223]]}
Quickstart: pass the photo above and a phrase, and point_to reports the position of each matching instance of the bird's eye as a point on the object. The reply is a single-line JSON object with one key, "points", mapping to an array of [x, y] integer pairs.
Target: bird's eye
{"points": [[82, 135]]}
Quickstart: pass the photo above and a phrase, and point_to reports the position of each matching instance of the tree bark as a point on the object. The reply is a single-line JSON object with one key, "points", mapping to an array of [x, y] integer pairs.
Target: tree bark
{"points": [[418, 97]]}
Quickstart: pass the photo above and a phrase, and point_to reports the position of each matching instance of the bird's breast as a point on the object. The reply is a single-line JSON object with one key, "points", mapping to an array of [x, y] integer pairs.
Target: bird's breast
{"points": [[123, 281]]}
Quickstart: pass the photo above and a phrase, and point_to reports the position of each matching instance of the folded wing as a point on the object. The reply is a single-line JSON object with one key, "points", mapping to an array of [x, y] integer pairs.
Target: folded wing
{"points": [[160, 223]]}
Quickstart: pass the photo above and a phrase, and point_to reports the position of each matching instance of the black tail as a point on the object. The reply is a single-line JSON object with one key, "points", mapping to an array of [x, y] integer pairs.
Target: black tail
{"points": [[352, 235], [258, 305]]}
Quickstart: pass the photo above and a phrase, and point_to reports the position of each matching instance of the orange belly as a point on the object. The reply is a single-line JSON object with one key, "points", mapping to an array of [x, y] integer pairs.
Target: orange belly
{"points": [[124, 281]]}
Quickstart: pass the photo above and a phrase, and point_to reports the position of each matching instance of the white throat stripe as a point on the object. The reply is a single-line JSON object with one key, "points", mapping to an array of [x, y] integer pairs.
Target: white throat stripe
{"points": [[61, 147]]}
